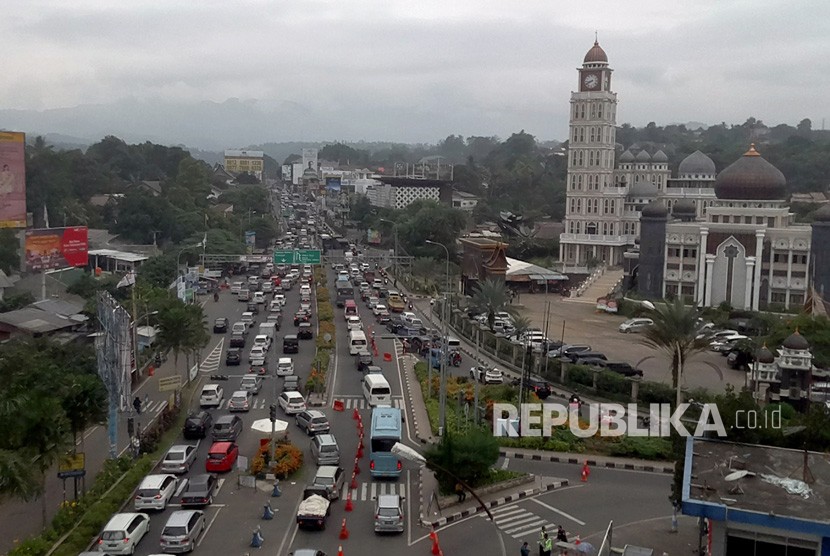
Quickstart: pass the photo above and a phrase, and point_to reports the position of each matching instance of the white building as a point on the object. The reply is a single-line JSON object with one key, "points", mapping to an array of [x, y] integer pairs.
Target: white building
{"points": [[398, 193], [462, 200]]}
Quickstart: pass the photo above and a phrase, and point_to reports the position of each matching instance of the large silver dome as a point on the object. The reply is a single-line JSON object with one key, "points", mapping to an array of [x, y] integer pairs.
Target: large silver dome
{"points": [[697, 163]]}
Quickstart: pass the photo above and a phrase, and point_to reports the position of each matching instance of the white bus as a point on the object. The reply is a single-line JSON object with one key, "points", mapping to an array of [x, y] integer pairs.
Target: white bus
{"points": [[357, 342]]}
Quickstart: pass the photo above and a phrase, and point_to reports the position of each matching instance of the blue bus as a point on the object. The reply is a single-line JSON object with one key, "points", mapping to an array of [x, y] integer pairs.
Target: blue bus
{"points": [[385, 432]]}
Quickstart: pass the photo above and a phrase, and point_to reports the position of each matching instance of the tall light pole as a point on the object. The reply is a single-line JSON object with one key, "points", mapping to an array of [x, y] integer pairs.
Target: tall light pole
{"points": [[442, 395], [395, 231]]}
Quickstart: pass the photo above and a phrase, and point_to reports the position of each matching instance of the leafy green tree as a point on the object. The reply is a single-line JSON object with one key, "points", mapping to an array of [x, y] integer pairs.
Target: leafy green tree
{"points": [[521, 324], [84, 402], [182, 329], [425, 269], [468, 457], [9, 251], [490, 297], [246, 179], [158, 271]]}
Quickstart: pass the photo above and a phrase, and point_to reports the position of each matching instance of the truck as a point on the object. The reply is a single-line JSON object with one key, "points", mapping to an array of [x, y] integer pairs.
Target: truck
{"points": [[314, 509], [269, 329], [344, 290], [395, 302], [369, 276]]}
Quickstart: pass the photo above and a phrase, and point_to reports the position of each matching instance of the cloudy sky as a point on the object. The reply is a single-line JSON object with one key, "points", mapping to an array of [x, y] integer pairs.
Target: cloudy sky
{"points": [[405, 71]]}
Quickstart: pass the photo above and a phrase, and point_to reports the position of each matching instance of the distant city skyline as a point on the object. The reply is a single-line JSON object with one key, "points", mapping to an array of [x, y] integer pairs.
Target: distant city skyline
{"points": [[213, 75]]}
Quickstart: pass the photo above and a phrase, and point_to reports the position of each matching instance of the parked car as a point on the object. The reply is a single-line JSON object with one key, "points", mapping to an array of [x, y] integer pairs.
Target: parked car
{"points": [[240, 401], [227, 428], [199, 491], [220, 325], [221, 457], [233, 357], [635, 325], [312, 422], [179, 458], [197, 425], [211, 396], [567, 352], [291, 402]]}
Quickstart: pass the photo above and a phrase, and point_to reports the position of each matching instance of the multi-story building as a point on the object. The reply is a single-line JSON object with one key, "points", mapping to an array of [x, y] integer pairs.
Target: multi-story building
{"points": [[605, 196], [398, 193], [239, 161]]}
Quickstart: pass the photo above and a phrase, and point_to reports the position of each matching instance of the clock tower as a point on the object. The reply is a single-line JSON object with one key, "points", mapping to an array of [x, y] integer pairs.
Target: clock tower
{"points": [[594, 207]]}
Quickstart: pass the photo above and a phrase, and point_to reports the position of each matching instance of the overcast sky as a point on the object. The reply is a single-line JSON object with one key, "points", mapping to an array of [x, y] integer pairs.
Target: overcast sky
{"points": [[420, 70]]}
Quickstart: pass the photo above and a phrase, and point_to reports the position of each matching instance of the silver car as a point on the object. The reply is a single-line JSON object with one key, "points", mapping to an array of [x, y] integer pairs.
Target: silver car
{"points": [[389, 517], [179, 458], [240, 401]]}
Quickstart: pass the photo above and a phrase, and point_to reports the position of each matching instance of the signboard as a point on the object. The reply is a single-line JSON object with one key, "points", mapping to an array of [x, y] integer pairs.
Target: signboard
{"points": [[333, 184], [170, 383], [309, 160], [373, 236], [250, 241], [12, 179], [49, 248], [305, 256], [72, 465], [602, 304], [612, 306]]}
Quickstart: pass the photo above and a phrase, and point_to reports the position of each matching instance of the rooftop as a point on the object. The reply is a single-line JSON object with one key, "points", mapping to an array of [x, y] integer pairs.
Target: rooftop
{"points": [[35, 321], [244, 153], [517, 268], [748, 482], [118, 255]]}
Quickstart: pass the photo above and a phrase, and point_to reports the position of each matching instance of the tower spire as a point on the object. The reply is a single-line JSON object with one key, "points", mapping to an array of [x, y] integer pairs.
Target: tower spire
{"points": [[596, 37]]}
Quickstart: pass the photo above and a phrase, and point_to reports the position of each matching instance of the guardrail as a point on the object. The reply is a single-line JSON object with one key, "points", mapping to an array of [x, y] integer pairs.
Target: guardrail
{"points": [[589, 281]]}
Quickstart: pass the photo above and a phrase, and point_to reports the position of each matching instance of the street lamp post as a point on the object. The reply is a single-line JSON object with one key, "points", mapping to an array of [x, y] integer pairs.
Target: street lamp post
{"points": [[442, 395]]}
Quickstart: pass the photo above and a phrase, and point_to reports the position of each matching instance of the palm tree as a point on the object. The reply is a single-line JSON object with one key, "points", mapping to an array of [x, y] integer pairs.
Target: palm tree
{"points": [[84, 402], [521, 324], [425, 269], [676, 332], [491, 297], [182, 329]]}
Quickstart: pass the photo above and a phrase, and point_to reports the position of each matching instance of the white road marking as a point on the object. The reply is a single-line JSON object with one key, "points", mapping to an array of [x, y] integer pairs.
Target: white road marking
{"points": [[208, 526], [505, 463], [181, 487], [560, 512], [363, 491]]}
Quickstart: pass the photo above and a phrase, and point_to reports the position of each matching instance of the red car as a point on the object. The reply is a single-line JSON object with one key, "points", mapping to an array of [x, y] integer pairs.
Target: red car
{"points": [[277, 281], [221, 457]]}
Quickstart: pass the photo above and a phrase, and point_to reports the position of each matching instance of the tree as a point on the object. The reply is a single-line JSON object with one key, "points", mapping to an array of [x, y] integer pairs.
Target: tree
{"points": [[182, 329], [158, 271], [491, 297], [84, 401], [521, 324], [425, 269], [9, 251], [468, 457]]}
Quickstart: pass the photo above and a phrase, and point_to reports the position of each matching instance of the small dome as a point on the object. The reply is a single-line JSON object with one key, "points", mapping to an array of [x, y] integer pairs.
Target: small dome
{"points": [[751, 178], [643, 189], [659, 156], [643, 156], [685, 207], [596, 54], [765, 356], [796, 341], [697, 163], [655, 209], [822, 214], [627, 156]]}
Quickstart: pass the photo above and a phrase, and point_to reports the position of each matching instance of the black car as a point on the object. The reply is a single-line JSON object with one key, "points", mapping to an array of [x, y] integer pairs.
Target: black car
{"points": [[290, 344], [538, 387], [238, 341], [199, 491], [197, 425], [233, 357], [253, 308], [291, 383], [624, 369], [305, 333], [220, 325]]}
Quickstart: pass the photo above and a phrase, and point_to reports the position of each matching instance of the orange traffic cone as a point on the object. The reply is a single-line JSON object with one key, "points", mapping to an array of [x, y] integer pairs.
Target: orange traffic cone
{"points": [[436, 549], [577, 540], [356, 467], [349, 505], [585, 472], [355, 414], [354, 481], [344, 533], [340, 550], [359, 451]]}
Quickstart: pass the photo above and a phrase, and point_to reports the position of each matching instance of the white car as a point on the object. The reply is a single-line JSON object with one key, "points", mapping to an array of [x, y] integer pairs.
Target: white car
{"points": [[259, 298], [268, 287], [179, 458], [263, 340], [353, 323], [285, 366], [291, 402], [635, 325], [123, 532], [280, 298], [379, 308], [211, 396], [257, 355], [248, 318], [487, 375], [275, 307]]}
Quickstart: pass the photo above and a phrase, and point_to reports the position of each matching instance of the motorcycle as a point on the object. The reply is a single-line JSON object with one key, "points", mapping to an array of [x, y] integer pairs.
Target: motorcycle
{"points": [[455, 359], [410, 306], [215, 296]]}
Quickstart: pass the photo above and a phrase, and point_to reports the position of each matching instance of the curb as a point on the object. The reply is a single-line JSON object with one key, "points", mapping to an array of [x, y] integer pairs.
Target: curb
{"points": [[495, 503], [592, 463], [409, 397]]}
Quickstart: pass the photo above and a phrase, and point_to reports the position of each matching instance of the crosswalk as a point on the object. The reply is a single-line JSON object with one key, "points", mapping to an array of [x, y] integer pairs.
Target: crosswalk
{"points": [[256, 403], [355, 402], [520, 523], [367, 491]]}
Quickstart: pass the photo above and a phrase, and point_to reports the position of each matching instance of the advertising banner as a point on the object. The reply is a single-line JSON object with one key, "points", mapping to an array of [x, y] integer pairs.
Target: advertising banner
{"points": [[12, 179], [333, 184], [373, 236], [50, 248], [310, 160], [250, 241]]}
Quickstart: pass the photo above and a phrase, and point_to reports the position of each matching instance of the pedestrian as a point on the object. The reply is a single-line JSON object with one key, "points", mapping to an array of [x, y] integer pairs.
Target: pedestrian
{"points": [[137, 405], [459, 490], [525, 550], [561, 535], [543, 534], [548, 546]]}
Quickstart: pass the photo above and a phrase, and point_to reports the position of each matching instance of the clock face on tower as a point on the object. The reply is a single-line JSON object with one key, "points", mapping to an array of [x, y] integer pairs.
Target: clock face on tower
{"points": [[591, 81]]}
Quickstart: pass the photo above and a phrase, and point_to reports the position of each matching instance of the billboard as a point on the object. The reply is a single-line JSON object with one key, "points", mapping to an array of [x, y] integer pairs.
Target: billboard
{"points": [[373, 236], [310, 159], [333, 184], [250, 241], [49, 248], [12, 179]]}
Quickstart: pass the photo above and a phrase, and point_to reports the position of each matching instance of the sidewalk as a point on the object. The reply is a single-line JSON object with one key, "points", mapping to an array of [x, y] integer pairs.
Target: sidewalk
{"points": [[607, 462]]}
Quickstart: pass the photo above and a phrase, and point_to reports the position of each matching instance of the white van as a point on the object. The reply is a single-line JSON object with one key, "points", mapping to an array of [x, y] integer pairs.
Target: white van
{"points": [[376, 390], [357, 342], [453, 343]]}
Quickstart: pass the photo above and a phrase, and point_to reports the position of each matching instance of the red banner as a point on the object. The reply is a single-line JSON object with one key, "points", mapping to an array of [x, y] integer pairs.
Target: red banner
{"points": [[50, 248]]}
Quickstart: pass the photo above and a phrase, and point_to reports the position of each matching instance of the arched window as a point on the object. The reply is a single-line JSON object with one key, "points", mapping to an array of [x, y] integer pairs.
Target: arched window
{"points": [[591, 228], [593, 132]]}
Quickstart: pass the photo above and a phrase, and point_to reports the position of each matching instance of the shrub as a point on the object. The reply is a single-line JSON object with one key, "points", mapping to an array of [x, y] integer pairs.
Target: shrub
{"points": [[323, 295], [325, 313], [287, 461], [655, 392], [326, 328], [612, 383], [579, 374], [642, 447]]}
